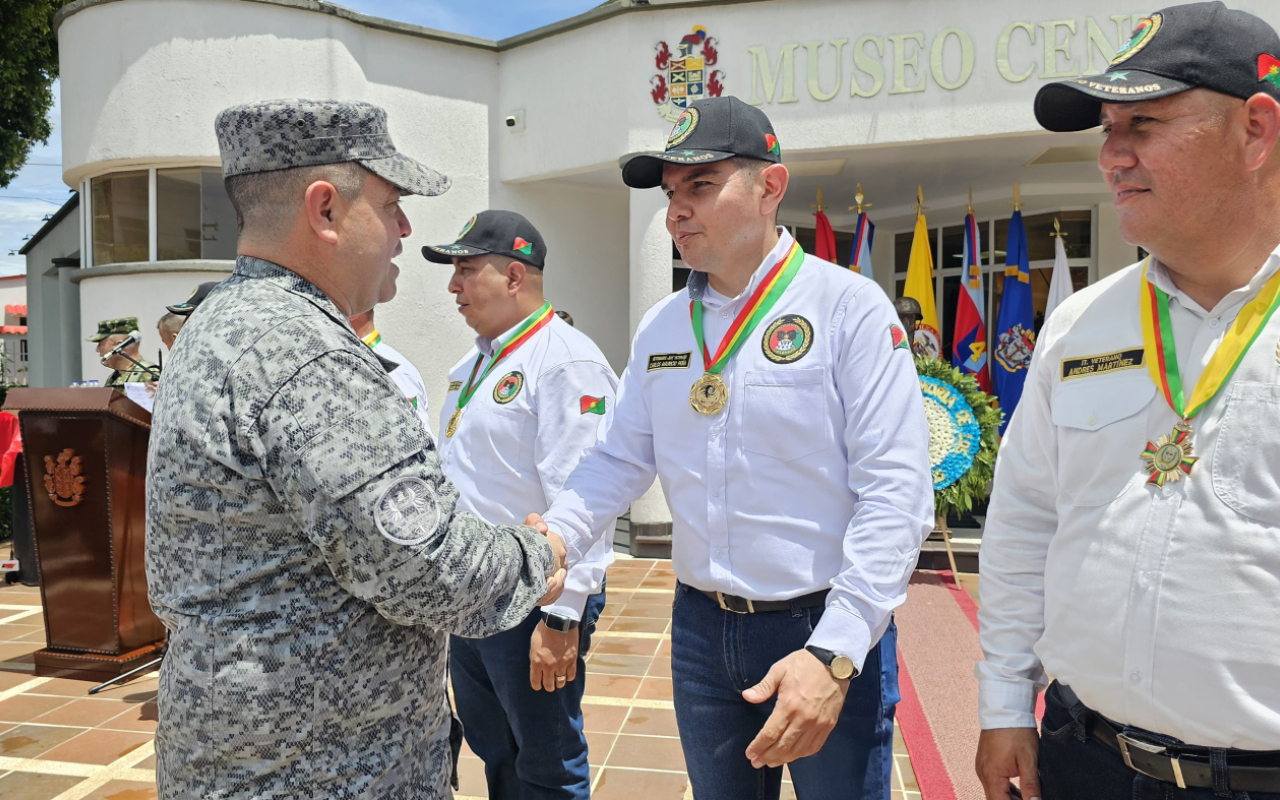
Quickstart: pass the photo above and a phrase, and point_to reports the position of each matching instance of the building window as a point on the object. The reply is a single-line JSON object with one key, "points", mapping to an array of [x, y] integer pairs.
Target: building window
{"points": [[120, 218], [22, 350], [194, 216]]}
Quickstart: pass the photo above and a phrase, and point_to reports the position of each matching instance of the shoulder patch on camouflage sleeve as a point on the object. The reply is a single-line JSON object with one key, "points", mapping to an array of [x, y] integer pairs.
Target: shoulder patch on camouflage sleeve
{"points": [[408, 512]]}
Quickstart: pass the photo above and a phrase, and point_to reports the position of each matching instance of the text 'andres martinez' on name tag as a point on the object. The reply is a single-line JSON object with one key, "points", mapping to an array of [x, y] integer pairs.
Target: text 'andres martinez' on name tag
{"points": [[1097, 365], [669, 361]]}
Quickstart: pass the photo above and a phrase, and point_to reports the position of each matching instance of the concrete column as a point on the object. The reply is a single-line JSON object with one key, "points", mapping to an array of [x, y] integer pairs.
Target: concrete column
{"points": [[650, 282]]}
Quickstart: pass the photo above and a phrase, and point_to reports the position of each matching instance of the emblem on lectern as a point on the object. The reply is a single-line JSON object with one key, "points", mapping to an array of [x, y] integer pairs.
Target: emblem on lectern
{"points": [[62, 479]]}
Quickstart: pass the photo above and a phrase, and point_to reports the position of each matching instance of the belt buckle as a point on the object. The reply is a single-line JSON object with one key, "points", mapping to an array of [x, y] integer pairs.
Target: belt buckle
{"points": [[1125, 741], [751, 609]]}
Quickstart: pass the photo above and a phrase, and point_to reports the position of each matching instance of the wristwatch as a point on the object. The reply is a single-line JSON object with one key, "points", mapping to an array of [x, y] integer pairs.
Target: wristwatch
{"points": [[841, 666], [558, 622]]}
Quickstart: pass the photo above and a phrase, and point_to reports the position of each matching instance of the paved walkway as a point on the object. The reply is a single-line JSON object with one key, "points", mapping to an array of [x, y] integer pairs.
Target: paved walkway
{"points": [[56, 743]]}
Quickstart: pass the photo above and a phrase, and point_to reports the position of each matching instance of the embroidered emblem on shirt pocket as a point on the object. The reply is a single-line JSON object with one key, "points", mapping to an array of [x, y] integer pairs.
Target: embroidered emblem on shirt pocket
{"points": [[669, 361], [787, 339], [508, 387]]}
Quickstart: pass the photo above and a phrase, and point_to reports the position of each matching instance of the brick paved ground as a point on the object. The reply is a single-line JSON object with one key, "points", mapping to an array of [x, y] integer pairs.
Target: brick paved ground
{"points": [[57, 743]]}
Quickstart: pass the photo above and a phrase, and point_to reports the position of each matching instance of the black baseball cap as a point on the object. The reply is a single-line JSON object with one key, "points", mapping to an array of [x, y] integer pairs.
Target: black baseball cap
{"points": [[715, 129], [197, 297], [1200, 45], [503, 233]]}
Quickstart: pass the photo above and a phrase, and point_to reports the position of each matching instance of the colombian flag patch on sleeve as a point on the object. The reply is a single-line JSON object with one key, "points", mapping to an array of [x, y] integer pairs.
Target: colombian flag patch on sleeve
{"points": [[592, 405]]}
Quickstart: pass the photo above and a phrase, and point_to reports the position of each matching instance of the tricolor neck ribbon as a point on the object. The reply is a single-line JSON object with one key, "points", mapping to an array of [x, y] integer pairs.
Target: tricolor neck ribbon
{"points": [[374, 339], [756, 308], [531, 325], [1162, 353]]}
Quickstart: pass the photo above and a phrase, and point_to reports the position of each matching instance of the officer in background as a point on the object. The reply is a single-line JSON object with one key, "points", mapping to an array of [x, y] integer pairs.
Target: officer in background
{"points": [[789, 435], [128, 365], [523, 406], [171, 324], [404, 373], [1130, 548], [303, 548]]}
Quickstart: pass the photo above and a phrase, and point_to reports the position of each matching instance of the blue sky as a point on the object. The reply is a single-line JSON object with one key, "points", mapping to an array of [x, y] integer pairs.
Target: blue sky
{"points": [[38, 189]]}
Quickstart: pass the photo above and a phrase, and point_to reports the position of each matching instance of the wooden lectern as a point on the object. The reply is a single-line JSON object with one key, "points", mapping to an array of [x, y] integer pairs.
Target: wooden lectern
{"points": [[86, 456]]}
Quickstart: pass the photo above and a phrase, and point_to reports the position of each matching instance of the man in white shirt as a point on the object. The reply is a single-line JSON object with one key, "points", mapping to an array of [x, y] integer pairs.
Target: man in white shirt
{"points": [[523, 406], [793, 451], [403, 373], [1130, 550]]}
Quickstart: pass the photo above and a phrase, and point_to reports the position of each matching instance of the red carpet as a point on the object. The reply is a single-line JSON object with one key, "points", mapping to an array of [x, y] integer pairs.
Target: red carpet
{"points": [[937, 648]]}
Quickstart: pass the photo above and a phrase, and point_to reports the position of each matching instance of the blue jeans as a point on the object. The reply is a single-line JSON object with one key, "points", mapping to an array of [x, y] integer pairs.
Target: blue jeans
{"points": [[531, 743], [1076, 766], [716, 654]]}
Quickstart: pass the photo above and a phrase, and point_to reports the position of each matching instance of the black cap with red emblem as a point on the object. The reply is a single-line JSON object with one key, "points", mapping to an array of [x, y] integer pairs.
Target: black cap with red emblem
{"points": [[715, 129], [1200, 45]]}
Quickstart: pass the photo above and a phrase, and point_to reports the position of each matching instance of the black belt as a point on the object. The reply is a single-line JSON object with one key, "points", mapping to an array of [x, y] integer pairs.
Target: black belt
{"points": [[741, 605], [1182, 765]]}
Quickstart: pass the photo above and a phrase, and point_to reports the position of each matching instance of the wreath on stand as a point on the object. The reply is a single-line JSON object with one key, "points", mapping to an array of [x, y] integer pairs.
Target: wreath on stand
{"points": [[964, 436]]}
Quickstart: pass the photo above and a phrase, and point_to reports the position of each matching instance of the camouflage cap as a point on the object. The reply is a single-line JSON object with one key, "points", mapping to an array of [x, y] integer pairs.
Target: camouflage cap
{"points": [[282, 134], [110, 327]]}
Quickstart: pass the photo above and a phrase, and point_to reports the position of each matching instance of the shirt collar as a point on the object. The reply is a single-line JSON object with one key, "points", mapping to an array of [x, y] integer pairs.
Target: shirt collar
{"points": [[488, 347], [252, 268], [700, 288], [1160, 277]]}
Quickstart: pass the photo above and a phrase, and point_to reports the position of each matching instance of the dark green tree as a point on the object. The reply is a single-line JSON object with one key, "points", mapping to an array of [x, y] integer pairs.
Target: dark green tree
{"points": [[28, 67]]}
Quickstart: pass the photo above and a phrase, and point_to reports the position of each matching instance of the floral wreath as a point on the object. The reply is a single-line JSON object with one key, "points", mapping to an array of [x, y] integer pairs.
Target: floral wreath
{"points": [[963, 435]]}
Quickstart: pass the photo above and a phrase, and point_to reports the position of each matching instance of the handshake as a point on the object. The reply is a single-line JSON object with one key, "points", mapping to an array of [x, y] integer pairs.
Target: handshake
{"points": [[555, 581]]}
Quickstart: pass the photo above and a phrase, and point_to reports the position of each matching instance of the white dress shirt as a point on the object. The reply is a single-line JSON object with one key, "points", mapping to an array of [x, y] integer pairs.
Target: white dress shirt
{"points": [[511, 454], [1157, 606], [815, 476], [405, 376]]}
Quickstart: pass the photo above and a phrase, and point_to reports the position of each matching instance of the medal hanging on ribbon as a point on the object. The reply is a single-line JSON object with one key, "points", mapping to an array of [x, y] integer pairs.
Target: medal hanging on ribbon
{"points": [[1170, 457], [532, 324], [709, 393]]}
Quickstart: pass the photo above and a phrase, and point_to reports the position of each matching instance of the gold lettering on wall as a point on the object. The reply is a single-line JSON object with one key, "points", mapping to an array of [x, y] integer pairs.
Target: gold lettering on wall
{"points": [[1052, 47], [870, 66], [1002, 52], [901, 61], [966, 58], [815, 88], [786, 73]]}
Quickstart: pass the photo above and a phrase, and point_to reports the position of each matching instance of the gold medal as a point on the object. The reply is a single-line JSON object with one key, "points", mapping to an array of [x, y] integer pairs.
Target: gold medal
{"points": [[453, 424], [1169, 457], [709, 394]]}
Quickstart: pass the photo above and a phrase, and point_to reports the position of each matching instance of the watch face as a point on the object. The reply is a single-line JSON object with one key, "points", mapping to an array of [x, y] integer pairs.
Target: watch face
{"points": [[842, 668]]}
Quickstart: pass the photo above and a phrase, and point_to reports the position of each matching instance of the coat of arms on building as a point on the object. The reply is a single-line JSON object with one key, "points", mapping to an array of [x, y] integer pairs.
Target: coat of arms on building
{"points": [[62, 480], [687, 76]]}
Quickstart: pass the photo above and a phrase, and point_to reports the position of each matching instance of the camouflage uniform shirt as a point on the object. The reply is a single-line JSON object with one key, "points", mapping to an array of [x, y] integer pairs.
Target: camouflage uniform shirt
{"points": [[146, 373], [304, 552]]}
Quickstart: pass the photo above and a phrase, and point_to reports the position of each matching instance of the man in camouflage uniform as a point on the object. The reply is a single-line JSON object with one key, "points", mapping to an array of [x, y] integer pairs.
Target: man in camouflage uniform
{"points": [[303, 547], [134, 369]]}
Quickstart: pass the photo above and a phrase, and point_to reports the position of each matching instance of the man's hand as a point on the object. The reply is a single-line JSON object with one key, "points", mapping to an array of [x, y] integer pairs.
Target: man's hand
{"points": [[1005, 753], [552, 654], [808, 707], [555, 581]]}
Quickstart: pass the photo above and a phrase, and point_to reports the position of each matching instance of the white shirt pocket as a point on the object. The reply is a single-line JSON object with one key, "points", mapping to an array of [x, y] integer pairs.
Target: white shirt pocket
{"points": [[1247, 452], [784, 414], [1101, 426], [497, 444]]}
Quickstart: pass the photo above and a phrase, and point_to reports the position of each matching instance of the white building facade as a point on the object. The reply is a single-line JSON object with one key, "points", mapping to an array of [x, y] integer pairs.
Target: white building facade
{"points": [[888, 94]]}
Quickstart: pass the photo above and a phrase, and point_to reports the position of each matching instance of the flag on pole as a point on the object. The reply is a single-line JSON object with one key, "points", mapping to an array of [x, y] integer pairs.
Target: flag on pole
{"points": [[969, 344], [863, 237], [920, 287], [1060, 287], [1015, 325], [825, 240]]}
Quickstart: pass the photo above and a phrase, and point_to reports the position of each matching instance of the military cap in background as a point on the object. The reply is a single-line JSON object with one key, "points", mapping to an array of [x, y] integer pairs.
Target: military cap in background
{"points": [[110, 327], [283, 134], [711, 130], [504, 233], [197, 297]]}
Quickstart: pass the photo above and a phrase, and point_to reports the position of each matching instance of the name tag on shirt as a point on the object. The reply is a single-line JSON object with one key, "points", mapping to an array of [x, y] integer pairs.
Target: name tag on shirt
{"points": [[669, 361], [456, 386], [1098, 365]]}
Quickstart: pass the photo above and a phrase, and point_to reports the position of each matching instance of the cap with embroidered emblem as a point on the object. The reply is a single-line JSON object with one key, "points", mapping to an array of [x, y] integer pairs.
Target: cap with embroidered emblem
{"points": [[711, 130], [1199, 45], [283, 134], [504, 233]]}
